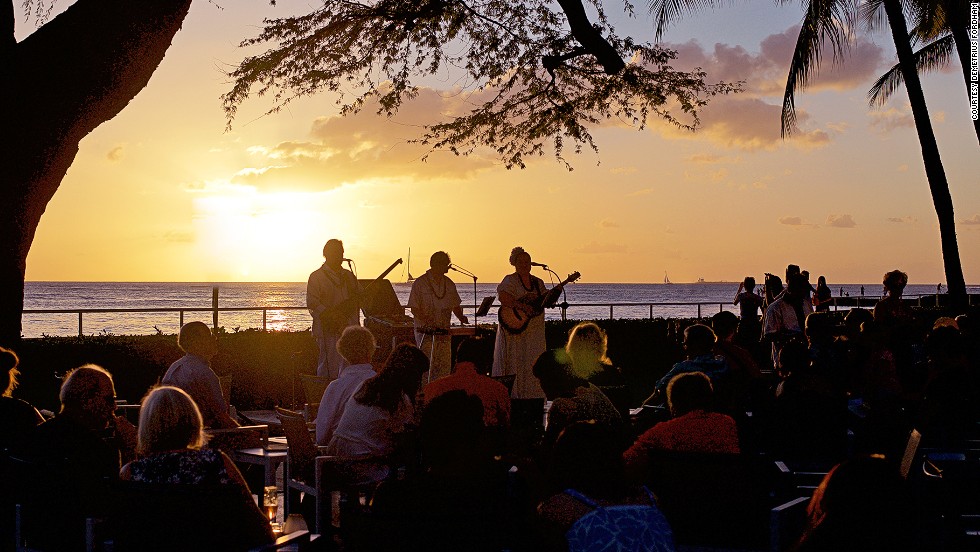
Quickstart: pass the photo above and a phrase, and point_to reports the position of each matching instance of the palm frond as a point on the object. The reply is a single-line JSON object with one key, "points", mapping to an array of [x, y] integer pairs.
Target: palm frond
{"points": [[665, 12], [826, 23], [930, 57]]}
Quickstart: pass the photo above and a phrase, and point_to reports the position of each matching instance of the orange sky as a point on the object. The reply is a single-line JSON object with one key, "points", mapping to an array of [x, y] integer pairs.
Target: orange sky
{"points": [[163, 193]]}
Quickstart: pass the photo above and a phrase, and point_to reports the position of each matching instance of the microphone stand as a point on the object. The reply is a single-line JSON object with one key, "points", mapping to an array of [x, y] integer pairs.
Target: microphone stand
{"points": [[564, 304], [465, 272]]}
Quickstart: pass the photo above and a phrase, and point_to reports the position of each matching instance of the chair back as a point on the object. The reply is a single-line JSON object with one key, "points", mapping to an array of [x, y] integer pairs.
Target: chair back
{"points": [[313, 387], [507, 381], [150, 517], [225, 382], [302, 449], [236, 438]]}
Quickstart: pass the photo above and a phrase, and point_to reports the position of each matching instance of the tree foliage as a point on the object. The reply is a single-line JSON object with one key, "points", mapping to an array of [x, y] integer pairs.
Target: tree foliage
{"points": [[527, 74]]}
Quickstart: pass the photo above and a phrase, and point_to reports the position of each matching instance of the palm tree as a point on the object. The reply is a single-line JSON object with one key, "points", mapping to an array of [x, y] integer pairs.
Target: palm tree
{"points": [[829, 22], [942, 26]]}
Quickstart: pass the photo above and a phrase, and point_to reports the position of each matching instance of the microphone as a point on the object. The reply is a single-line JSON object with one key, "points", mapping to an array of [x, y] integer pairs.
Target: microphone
{"points": [[542, 265], [346, 261], [454, 269]]}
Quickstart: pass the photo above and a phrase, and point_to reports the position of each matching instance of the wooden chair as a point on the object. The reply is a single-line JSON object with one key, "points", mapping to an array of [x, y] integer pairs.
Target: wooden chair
{"points": [[248, 436], [786, 523], [299, 476], [321, 476], [313, 387]]}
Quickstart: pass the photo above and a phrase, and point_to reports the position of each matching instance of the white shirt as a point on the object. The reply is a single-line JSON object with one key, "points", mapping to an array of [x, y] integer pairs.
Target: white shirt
{"points": [[335, 397]]}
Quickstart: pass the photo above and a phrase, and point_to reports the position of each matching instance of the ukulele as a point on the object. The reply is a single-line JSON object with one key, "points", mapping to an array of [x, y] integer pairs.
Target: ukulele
{"points": [[515, 321], [335, 318]]}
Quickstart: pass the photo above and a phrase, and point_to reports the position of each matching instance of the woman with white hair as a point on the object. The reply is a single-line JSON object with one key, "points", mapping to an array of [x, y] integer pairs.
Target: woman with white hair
{"points": [[170, 437]]}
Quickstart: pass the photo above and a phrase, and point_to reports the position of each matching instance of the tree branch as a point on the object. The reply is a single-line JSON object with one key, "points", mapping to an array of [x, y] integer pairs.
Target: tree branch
{"points": [[590, 37]]}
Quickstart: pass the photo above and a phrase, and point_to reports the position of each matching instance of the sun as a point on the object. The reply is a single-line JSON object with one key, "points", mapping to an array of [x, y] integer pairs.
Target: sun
{"points": [[246, 235]]}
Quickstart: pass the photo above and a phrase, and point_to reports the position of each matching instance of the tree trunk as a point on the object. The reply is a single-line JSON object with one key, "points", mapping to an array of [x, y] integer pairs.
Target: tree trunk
{"points": [[958, 18], [71, 75], [938, 185]]}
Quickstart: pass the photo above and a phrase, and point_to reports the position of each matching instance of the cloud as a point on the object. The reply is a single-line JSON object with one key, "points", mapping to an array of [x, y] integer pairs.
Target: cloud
{"points": [[365, 146], [623, 170], [841, 221], [750, 124], [884, 121], [908, 219], [975, 219], [764, 72], [607, 223], [706, 159], [643, 192], [115, 154], [597, 248], [176, 236], [791, 221]]}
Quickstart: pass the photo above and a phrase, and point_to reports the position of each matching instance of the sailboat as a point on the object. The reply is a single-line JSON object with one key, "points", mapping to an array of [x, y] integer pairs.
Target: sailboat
{"points": [[666, 279], [409, 267]]}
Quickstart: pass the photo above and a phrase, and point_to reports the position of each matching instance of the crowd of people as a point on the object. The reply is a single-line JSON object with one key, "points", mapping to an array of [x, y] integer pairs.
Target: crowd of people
{"points": [[515, 446]]}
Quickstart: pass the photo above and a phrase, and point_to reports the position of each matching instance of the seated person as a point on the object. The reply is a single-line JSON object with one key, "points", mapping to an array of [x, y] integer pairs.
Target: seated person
{"points": [[72, 457], [463, 499], [693, 427], [193, 374], [17, 418], [744, 376], [699, 342], [468, 375], [171, 434], [595, 508], [572, 398], [380, 411], [862, 504], [356, 345], [587, 345]]}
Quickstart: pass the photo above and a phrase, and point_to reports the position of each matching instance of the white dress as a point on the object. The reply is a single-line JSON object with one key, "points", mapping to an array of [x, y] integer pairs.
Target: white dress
{"points": [[516, 353]]}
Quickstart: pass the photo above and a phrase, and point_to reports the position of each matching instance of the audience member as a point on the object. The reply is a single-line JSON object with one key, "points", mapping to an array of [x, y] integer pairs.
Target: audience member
{"points": [[587, 345], [86, 437], [463, 499], [891, 311], [71, 457], [192, 373], [699, 343], [468, 376], [744, 371], [693, 427], [749, 303], [822, 296], [786, 316], [17, 417], [862, 504], [572, 399], [596, 508], [356, 346], [379, 411]]}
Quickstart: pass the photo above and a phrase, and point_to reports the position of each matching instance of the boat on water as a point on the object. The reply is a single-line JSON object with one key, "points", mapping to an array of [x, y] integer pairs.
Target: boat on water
{"points": [[701, 281], [408, 268], [666, 279]]}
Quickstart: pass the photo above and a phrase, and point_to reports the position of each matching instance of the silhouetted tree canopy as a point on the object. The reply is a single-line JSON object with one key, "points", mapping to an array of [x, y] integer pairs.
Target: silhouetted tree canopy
{"points": [[529, 74]]}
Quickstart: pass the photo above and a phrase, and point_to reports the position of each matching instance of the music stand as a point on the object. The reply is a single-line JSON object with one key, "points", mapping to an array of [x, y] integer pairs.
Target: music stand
{"points": [[485, 306]]}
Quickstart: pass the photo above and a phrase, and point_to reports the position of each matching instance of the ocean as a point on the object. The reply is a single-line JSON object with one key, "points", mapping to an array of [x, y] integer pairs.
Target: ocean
{"points": [[586, 300]]}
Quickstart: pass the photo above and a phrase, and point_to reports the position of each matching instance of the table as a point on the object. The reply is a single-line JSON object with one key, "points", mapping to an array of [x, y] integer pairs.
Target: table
{"points": [[268, 457]]}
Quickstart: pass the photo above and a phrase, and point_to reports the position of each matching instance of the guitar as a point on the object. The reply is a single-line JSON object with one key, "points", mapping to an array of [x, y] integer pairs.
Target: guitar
{"points": [[515, 320], [334, 319]]}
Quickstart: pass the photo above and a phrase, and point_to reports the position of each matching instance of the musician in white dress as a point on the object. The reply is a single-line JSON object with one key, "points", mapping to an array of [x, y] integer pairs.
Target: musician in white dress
{"points": [[434, 300], [515, 352], [329, 286]]}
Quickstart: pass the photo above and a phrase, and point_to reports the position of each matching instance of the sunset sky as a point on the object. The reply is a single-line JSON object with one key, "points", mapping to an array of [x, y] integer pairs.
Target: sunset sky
{"points": [[163, 193]]}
